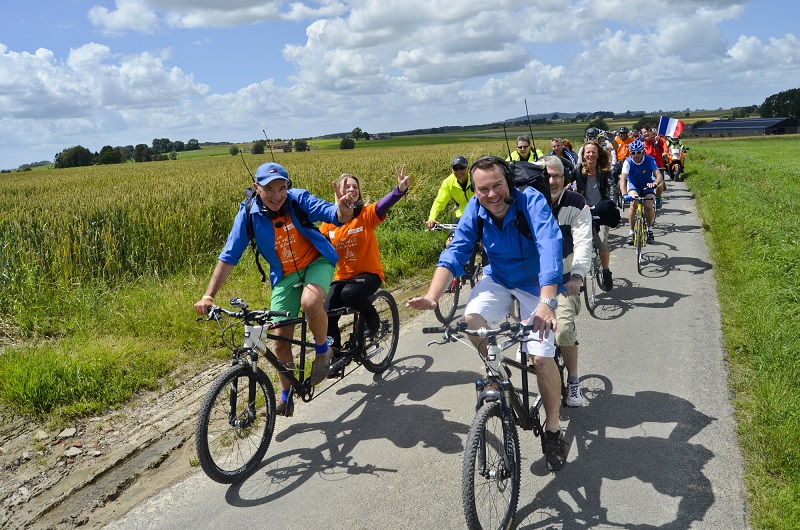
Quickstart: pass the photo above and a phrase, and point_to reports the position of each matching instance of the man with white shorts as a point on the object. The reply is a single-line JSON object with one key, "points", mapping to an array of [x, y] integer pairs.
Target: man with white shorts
{"points": [[523, 242]]}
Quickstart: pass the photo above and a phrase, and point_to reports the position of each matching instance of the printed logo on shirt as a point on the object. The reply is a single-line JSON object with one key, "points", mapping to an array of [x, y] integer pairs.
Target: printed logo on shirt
{"points": [[355, 230]]}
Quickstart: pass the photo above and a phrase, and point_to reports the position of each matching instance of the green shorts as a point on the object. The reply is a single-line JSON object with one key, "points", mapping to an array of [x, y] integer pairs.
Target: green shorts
{"points": [[286, 297]]}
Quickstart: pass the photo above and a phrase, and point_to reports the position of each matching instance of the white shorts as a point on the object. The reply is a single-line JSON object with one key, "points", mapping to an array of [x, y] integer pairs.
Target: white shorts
{"points": [[493, 302]]}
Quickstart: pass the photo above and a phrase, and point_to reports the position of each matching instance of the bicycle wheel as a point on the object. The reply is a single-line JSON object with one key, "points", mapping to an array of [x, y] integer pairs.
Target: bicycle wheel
{"points": [[235, 424], [475, 266], [491, 471], [639, 235], [379, 352], [562, 374], [446, 306], [591, 283]]}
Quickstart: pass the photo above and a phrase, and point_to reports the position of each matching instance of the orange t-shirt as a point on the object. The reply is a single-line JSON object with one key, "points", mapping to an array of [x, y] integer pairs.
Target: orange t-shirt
{"points": [[624, 150], [295, 251], [356, 244]]}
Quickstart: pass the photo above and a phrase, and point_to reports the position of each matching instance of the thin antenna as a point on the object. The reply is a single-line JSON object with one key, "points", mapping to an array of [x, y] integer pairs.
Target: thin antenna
{"points": [[533, 144], [508, 146], [268, 143], [247, 168]]}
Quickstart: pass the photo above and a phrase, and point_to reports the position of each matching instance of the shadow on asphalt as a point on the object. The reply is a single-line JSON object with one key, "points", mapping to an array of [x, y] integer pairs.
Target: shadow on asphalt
{"points": [[408, 379], [656, 456]]}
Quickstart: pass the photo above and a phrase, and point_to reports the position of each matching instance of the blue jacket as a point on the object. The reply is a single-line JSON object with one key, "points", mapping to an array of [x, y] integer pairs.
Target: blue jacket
{"points": [[515, 260], [317, 210]]}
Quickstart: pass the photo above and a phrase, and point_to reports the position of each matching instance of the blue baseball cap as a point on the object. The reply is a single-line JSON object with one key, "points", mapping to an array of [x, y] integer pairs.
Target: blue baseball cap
{"points": [[270, 171]]}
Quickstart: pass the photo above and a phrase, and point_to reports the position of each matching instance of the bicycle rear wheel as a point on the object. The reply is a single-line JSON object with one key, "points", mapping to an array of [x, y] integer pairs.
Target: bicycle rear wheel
{"points": [[235, 424], [379, 351], [491, 470], [446, 306]]}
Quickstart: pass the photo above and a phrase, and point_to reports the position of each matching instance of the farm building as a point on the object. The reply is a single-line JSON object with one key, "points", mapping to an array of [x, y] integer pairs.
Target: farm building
{"points": [[747, 127]]}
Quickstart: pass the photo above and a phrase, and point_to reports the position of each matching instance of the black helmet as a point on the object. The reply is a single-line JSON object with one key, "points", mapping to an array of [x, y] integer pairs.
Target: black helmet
{"points": [[622, 130], [592, 133]]}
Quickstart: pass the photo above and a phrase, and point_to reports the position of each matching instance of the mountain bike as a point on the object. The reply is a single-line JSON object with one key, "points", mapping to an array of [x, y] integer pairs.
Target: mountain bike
{"points": [[448, 303], [237, 416], [491, 470]]}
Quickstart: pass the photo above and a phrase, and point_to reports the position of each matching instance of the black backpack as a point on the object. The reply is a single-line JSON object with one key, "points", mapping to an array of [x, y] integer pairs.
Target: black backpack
{"points": [[249, 197]]}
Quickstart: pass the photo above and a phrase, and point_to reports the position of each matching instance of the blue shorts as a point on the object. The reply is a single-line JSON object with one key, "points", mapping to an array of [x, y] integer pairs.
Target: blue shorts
{"points": [[640, 192]]}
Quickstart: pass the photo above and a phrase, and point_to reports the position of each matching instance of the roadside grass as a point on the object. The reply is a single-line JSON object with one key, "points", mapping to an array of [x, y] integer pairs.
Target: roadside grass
{"points": [[747, 194]]}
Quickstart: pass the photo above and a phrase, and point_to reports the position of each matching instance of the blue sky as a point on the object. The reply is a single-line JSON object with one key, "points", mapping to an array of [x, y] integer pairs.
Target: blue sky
{"points": [[96, 73]]}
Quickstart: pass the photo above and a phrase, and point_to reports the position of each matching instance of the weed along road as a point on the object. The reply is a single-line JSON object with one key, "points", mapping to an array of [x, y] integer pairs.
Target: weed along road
{"points": [[656, 448]]}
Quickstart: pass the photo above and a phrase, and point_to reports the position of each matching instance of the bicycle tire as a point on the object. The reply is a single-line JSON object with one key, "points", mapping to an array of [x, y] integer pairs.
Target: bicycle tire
{"points": [[639, 235], [474, 267], [563, 374], [230, 453], [489, 488], [379, 353], [591, 283], [445, 308]]}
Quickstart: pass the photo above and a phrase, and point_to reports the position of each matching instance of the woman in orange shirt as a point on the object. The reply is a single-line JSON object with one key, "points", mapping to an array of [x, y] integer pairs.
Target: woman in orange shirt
{"points": [[357, 246]]}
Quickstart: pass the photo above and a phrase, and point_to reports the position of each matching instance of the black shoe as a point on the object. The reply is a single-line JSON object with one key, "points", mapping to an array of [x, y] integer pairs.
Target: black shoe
{"points": [[555, 451], [608, 281], [650, 237]]}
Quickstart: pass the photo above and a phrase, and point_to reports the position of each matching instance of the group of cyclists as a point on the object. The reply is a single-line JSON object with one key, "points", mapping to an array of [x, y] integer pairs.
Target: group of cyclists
{"points": [[538, 249]]}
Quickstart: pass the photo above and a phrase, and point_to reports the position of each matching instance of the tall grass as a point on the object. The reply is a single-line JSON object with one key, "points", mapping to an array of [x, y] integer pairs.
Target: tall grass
{"points": [[107, 256], [747, 194]]}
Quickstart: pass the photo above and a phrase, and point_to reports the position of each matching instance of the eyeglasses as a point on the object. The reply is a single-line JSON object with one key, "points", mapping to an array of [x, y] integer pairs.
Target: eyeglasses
{"points": [[637, 153], [459, 168], [523, 147]]}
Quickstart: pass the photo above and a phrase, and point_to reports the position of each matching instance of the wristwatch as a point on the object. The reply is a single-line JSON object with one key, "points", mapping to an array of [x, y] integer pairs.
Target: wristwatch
{"points": [[552, 303]]}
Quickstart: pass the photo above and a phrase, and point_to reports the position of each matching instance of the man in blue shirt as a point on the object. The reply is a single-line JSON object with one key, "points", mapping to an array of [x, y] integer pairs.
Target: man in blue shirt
{"points": [[640, 177], [523, 242]]}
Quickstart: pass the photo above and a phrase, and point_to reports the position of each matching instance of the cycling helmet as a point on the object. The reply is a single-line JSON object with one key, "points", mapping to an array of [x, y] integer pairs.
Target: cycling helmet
{"points": [[623, 130], [636, 145], [592, 133]]}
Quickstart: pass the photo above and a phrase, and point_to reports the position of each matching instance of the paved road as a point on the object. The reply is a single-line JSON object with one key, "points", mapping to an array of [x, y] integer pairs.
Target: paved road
{"points": [[657, 449]]}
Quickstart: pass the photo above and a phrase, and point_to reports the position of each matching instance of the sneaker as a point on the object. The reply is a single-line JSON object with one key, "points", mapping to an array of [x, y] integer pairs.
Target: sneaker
{"points": [[321, 366], [608, 281], [555, 452], [650, 237], [574, 397], [281, 409], [629, 241]]}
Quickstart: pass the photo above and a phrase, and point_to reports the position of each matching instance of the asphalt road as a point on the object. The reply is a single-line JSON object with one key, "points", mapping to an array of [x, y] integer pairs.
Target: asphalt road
{"points": [[656, 449]]}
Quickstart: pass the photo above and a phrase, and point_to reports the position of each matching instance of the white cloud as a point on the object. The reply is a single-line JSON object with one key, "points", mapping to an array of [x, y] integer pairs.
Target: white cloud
{"points": [[130, 15]]}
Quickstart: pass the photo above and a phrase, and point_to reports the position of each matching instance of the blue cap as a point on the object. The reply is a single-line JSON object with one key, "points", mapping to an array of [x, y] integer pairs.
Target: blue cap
{"points": [[270, 171]]}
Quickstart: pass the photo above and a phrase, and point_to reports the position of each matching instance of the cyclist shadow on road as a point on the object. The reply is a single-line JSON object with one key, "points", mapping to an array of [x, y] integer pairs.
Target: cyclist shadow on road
{"points": [[364, 420], [650, 478], [628, 295]]}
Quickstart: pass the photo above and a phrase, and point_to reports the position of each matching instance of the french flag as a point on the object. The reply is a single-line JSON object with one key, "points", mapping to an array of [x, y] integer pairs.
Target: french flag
{"points": [[670, 127]]}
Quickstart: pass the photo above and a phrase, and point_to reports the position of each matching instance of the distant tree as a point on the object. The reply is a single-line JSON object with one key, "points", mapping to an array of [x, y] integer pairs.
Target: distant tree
{"points": [[347, 143], [646, 121], [234, 150], [301, 145], [125, 152], [77, 156], [141, 153], [109, 155], [554, 117], [173, 155], [600, 123], [287, 147], [179, 146], [698, 123], [258, 147], [356, 134], [162, 145], [192, 145], [781, 104]]}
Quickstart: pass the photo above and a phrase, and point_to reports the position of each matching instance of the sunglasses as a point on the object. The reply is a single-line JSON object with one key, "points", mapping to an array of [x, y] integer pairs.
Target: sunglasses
{"points": [[523, 147], [637, 153], [459, 168]]}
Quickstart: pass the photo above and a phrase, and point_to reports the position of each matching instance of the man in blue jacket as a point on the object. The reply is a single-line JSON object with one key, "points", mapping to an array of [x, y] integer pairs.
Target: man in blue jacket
{"points": [[301, 260], [524, 245]]}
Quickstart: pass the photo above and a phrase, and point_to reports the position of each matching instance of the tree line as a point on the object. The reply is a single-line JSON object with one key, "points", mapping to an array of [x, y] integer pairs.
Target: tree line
{"points": [[162, 149]]}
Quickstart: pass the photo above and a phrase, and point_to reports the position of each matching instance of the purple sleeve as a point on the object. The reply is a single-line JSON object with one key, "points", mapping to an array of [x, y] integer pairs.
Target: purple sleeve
{"points": [[387, 202]]}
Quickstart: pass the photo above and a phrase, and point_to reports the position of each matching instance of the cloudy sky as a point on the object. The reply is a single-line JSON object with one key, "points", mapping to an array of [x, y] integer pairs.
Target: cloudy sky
{"points": [[96, 72]]}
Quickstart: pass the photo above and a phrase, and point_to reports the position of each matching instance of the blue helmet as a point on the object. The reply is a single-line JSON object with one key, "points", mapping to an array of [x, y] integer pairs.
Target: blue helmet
{"points": [[636, 145]]}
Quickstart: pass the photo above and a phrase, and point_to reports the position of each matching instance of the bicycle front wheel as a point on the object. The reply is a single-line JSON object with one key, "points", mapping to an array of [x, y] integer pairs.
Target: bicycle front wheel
{"points": [[491, 471], [446, 306], [591, 284], [235, 424], [640, 242], [379, 352]]}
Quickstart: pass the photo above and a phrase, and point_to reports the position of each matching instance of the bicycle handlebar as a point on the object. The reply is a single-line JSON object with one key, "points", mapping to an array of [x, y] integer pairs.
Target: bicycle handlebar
{"points": [[259, 316], [443, 227], [506, 328]]}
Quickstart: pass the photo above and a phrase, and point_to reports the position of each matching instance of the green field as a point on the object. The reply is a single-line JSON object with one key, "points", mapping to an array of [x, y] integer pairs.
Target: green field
{"points": [[101, 266]]}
